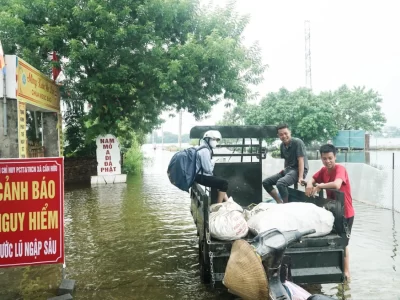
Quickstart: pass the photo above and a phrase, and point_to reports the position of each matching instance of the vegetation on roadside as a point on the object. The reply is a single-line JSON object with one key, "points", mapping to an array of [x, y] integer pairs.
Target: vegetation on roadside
{"points": [[133, 158], [173, 148], [314, 117], [388, 132], [276, 153], [194, 142]]}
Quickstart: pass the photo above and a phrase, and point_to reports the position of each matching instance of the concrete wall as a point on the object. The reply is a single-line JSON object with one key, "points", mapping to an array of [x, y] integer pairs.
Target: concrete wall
{"points": [[368, 184], [9, 142], [50, 134], [79, 170]]}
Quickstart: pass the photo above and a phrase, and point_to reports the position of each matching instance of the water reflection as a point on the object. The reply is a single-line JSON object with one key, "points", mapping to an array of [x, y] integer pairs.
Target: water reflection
{"points": [[372, 261], [134, 241]]}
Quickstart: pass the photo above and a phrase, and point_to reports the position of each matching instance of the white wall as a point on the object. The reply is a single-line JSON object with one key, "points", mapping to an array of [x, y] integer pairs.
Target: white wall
{"points": [[11, 69], [368, 184]]}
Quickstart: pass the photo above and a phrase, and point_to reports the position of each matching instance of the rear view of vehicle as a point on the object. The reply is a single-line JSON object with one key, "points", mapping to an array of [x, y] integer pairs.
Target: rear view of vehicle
{"points": [[240, 161]]}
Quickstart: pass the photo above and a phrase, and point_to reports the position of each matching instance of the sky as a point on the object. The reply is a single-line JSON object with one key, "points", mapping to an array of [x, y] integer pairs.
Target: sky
{"points": [[352, 42]]}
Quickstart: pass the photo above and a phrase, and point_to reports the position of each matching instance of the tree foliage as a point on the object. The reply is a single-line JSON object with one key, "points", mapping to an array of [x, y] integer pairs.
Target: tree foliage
{"points": [[307, 118], [388, 132], [314, 117], [132, 59], [355, 108], [234, 115]]}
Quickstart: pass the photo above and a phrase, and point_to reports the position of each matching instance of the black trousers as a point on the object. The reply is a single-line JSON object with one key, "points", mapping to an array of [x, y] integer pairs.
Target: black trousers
{"points": [[212, 182], [349, 223]]}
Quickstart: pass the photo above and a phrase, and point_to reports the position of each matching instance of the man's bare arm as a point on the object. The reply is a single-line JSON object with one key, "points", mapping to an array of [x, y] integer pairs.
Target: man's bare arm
{"points": [[331, 185], [300, 159]]}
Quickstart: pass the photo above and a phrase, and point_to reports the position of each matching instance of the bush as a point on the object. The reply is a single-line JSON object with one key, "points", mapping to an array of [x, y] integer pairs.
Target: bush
{"points": [[172, 148], [276, 153], [194, 142], [133, 159]]}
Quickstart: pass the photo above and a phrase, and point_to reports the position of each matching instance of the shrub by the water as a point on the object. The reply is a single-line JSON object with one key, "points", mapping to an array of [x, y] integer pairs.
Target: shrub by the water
{"points": [[276, 153], [133, 159]]}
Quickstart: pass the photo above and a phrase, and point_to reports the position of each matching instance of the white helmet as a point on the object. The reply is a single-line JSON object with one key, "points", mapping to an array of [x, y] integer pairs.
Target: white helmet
{"points": [[213, 134]]}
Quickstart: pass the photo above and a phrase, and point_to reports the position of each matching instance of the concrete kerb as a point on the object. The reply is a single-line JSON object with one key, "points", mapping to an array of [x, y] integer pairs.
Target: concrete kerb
{"points": [[62, 297]]}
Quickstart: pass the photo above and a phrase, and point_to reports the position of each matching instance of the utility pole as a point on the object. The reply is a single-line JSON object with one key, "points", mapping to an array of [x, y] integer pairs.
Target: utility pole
{"points": [[162, 137], [180, 129], [307, 34]]}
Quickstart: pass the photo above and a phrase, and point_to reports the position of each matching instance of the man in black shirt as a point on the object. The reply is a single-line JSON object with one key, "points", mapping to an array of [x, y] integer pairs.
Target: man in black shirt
{"points": [[293, 151]]}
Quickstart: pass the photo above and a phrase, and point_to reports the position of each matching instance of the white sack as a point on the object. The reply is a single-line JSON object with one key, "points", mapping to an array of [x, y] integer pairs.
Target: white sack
{"points": [[293, 216], [256, 209], [228, 225], [229, 205]]}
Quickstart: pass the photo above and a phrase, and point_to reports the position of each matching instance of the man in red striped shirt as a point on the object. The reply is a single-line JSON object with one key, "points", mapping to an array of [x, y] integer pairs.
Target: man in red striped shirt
{"points": [[334, 176]]}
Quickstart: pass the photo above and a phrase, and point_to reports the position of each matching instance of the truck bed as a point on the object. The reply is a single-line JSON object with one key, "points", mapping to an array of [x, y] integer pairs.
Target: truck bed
{"points": [[322, 241], [314, 260]]}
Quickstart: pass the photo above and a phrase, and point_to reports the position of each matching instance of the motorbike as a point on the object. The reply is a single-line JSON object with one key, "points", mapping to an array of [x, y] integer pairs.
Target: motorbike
{"points": [[258, 263]]}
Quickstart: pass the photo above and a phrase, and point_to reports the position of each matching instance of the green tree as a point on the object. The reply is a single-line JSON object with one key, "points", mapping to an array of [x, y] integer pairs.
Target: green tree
{"points": [[388, 132], [318, 117], [308, 119], [234, 115], [76, 144], [355, 108], [132, 59], [30, 127]]}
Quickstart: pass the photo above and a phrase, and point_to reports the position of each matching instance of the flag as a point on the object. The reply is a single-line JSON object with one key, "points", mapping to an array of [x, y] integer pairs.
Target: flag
{"points": [[56, 69], [2, 61]]}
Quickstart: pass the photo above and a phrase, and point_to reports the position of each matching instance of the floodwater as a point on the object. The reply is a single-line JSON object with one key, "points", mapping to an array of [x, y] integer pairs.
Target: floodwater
{"points": [[138, 241]]}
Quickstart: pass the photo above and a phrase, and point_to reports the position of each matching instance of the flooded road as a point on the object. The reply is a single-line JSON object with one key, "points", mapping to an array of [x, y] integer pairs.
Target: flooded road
{"points": [[138, 241]]}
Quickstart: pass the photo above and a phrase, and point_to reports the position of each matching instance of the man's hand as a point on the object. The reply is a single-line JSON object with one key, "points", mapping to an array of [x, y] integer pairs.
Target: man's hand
{"points": [[300, 160], [311, 191], [316, 189]]}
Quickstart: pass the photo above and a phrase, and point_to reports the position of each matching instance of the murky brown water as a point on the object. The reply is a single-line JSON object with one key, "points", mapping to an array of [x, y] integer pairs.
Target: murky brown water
{"points": [[138, 241]]}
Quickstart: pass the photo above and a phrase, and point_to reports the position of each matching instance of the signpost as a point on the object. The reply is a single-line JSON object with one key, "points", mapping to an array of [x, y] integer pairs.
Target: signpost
{"points": [[108, 161], [35, 88], [31, 211], [108, 155]]}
